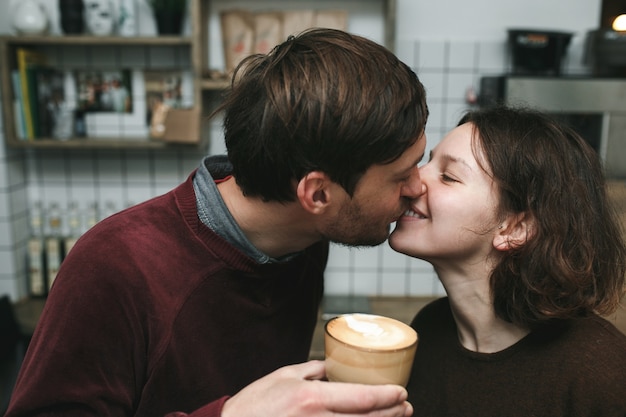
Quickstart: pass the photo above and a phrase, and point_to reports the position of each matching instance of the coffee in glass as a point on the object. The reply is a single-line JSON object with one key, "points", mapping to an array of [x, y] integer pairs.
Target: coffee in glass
{"points": [[369, 349]]}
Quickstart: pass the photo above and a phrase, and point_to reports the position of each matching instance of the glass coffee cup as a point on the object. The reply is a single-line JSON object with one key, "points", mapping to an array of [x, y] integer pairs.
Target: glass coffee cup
{"points": [[369, 349]]}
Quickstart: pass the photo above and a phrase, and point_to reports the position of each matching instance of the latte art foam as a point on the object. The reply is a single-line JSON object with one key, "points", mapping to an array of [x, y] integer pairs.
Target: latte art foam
{"points": [[371, 331]]}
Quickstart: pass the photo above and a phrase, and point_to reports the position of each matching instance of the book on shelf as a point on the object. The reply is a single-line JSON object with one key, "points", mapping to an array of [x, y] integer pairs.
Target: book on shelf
{"points": [[49, 103], [27, 63], [18, 111]]}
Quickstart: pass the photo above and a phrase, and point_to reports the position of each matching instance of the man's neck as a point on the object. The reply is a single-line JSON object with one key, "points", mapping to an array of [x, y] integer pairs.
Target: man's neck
{"points": [[276, 229]]}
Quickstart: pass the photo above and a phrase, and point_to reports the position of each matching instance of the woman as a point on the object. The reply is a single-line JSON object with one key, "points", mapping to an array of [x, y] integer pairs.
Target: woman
{"points": [[515, 219]]}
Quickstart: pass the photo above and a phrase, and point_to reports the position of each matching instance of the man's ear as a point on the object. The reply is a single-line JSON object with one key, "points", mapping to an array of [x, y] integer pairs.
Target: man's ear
{"points": [[313, 191], [514, 231]]}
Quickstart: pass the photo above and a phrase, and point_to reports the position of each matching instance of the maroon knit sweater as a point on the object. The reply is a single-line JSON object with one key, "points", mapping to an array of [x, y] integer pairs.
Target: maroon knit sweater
{"points": [[575, 369], [153, 313]]}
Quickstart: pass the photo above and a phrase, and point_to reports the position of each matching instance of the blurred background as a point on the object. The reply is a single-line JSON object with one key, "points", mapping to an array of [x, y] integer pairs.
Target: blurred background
{"points": [[461, 50]]}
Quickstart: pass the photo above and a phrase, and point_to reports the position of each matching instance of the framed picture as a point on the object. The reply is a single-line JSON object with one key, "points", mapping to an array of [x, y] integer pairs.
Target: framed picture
{"points": [[104, 91], [100, 120]]}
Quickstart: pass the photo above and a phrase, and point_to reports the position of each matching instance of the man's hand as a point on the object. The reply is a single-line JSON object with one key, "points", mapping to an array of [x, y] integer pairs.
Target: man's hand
{"points": [[297, 391]]}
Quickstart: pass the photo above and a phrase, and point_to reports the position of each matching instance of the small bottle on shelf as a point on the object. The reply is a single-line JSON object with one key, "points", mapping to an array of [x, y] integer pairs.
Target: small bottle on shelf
{"points": [[75, 226], [35, 253], [53, 247], [91, 216]]}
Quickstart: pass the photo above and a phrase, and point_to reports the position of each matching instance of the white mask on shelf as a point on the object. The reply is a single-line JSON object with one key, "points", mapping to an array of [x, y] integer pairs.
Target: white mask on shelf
{"points": [[99, 17]]}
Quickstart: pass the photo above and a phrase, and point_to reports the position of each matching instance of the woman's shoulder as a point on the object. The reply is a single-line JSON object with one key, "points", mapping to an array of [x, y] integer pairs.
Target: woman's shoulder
{"points": [[594, 343], [597, 333]]}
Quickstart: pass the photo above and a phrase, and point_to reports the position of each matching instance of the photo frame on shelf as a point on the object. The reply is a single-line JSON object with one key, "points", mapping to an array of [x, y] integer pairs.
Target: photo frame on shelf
{"points": [[99, 120], [104, 91]]}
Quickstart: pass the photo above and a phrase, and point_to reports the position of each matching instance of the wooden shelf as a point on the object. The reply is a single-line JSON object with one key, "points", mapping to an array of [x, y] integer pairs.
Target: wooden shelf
{"points": [[192, 45], [195, 42], [210, 84], [96, 143], [98, 40]]}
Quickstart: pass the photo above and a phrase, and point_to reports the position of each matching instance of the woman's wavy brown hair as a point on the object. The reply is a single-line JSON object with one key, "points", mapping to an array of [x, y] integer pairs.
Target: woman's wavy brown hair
{"points": [[573, 264]]}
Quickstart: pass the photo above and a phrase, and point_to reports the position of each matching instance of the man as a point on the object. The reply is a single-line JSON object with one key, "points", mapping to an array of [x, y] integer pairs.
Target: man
{"points": [[199, 302]]}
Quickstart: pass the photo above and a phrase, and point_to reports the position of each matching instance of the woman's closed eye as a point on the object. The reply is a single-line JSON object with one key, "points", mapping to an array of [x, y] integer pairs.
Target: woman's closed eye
{"points": [[446, 178]]}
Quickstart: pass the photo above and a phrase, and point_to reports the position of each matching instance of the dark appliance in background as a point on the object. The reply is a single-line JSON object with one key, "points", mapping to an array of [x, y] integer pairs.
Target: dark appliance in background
{"points": [[537, 52], [605, 53], [605, 47], [594, 105]]}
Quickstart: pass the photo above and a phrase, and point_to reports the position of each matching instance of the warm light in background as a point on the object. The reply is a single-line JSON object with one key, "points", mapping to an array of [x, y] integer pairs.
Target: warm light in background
{"points": [[620, 22]]}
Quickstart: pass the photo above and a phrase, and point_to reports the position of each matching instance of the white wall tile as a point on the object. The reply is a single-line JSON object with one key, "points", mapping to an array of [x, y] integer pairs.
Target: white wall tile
{"points": [[7, 263], [454, 112], [394, 284], [53, 169], [136, 194], [21, 228], [367, 257], [337, 282], [422, 284], [4, 178], [392, 260], [15, 172], [436, 116], [18, 200], [54, 193], [103, 58], [81, 168], [463, 55], [165, 57], [8, 286], [406, 50], [432, 54], [434, 82], [162, 188], [457, 86], [133, 57], [82, 193], [492, 57], [110, 191], [165, 168], [138, 169], [109, 169], [364, 283], [6, 234], [339, 257]]}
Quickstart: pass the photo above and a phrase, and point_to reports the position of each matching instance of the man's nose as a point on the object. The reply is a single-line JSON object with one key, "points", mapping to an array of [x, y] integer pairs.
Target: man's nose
{"points": [[414, 186]]}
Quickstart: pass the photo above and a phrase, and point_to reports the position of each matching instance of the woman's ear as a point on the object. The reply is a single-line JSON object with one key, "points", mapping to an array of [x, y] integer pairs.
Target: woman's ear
{"points": [[514, 231], [313, 191]]}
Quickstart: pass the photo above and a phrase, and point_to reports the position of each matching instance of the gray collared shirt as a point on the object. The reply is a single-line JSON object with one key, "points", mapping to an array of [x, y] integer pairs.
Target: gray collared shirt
{"points": [[212, 210]]}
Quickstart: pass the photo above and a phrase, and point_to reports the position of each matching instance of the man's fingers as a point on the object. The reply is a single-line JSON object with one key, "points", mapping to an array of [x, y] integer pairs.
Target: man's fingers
{"points": [[355, 398], [306, 371]]}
